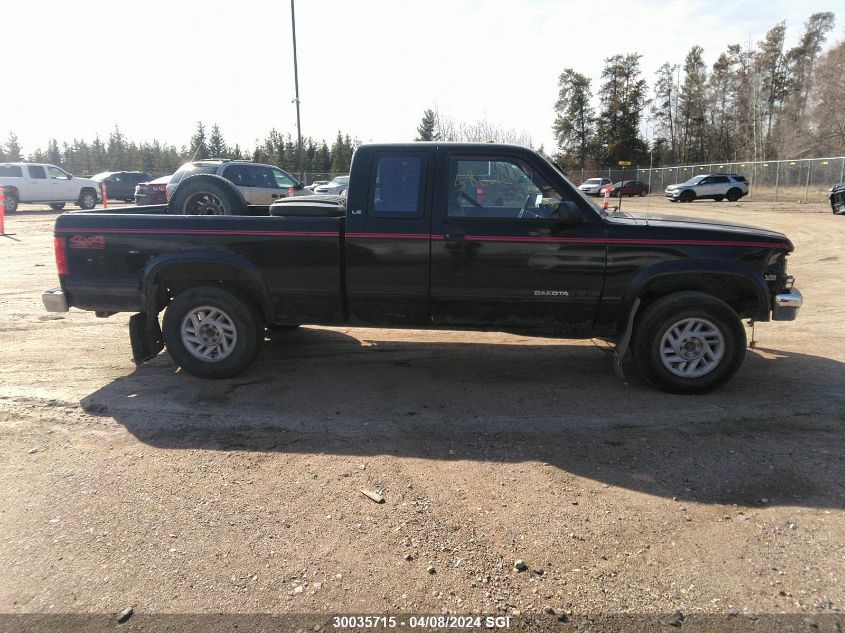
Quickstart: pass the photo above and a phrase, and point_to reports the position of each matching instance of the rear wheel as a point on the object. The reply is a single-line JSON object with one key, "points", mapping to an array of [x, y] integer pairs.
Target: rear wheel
{"points": [[687, 196], [211, 333], [689, 342], [57, 206], [10, 201], [733, 194]]}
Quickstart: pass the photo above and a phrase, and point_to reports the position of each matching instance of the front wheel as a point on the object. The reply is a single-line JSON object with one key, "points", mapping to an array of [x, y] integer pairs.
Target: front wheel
{"points": [[211, 333], [87, 199], [687, 196], [57, 206], [689, 342]]}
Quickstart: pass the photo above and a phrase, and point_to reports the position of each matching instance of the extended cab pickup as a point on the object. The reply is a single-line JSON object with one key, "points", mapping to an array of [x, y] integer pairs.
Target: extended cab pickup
{"points": [[432, 235]]}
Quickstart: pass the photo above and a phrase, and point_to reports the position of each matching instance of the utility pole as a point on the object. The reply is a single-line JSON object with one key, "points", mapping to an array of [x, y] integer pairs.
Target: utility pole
{"points": [[296, 84]]}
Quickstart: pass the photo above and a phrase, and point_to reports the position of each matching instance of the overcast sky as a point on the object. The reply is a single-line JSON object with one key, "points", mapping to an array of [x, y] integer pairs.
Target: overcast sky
{"points": [[369, 68]]}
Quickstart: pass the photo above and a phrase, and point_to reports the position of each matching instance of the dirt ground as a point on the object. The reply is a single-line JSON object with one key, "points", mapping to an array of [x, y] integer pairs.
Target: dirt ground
{"points": [[148, 487]]}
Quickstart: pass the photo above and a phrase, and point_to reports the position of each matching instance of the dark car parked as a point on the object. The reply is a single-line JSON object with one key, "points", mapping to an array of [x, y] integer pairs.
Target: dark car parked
{"points": [[120, 185], [629, 188], [837, 198], [152, 192]]}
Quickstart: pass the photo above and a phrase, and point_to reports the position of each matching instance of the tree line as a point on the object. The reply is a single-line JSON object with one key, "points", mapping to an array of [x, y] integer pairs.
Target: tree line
{"points": [[760, 102], [117, 153]]}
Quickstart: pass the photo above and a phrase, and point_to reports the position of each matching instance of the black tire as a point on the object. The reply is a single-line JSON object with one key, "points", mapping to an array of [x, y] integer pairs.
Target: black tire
{"points": [[87, 199], [653, 350], [57, 206], [206, 194], [643, 193], [733, 194], [244, 331], [718, 198], [11, 201], [687, 196]]}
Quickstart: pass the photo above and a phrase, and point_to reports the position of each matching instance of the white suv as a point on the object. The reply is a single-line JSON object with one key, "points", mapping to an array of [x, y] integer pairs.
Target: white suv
{"points": [[37, 182], [594, 186], [715, 186], [260, 184]]}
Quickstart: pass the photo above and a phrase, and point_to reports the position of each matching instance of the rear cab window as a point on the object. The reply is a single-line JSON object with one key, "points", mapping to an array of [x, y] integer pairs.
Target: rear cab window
{"points": [[37, 172]]}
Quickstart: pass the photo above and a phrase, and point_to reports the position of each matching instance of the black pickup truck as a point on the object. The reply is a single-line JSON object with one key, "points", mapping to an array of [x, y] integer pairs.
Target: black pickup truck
{"points": [[432, 235]]}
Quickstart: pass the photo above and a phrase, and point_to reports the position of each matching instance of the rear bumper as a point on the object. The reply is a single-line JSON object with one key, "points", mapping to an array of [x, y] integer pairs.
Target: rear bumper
{"points": [[54, 300], [785, 305]]}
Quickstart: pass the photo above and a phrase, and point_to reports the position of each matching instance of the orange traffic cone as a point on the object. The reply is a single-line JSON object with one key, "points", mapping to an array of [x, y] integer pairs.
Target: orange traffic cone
{"points": [[2, 210], [606, 198], [480, 196]]}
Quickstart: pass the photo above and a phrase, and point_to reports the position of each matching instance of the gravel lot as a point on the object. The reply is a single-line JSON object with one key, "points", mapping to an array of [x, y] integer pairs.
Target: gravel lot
{"points": [[148, 487]]}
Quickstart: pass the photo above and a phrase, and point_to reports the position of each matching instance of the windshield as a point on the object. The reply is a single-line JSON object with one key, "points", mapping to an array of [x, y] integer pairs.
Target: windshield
{"points": [[593, 181], [695, 180], [101, 176], [340, 180]]}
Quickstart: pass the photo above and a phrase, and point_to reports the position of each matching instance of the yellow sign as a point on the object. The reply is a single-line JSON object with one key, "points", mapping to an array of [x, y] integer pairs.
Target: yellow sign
{"points": [[624, 163]]}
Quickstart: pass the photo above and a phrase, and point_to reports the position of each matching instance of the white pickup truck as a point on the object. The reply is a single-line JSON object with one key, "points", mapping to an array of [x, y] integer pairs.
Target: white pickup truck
{"points": [[38, 182]]}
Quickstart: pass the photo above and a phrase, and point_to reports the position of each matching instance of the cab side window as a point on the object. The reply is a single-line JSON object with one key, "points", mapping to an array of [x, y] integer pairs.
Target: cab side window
{"points": [[398, 186], [56, 173], [499, 188]]}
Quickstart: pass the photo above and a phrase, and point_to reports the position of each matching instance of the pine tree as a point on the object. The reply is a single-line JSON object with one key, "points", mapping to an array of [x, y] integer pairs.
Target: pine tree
{"points": [[575, 117], [338, 154], [216, 144], [14, 151], [54, 155], [199, 148], [692, 106], [427, 129], [623, 98], [664, 114]]}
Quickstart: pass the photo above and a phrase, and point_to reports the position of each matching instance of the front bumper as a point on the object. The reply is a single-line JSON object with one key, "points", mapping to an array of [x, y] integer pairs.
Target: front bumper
{"points": [[54, 300], [785, 305]]}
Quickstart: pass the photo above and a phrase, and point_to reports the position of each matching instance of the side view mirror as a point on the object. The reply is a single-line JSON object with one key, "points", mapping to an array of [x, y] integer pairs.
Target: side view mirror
{"points": [[70, 176], [567, 214]]}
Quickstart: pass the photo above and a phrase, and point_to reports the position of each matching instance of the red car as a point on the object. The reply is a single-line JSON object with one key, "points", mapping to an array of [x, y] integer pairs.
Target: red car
{"points": [[152, 192], [629, 188]]}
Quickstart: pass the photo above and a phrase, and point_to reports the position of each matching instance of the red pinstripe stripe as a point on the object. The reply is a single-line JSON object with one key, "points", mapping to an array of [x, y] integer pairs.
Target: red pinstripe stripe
{"points": [[424, 236]]}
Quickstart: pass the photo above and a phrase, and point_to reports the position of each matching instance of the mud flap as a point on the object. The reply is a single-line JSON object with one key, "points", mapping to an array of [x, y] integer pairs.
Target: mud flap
{"points": [[146, 338]]}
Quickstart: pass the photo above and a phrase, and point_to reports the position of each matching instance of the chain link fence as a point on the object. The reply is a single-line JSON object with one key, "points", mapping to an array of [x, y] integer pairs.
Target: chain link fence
{"points": [[800, 180]]}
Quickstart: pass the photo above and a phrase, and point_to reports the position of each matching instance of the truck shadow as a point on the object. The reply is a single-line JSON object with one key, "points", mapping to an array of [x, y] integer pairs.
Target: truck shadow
{"points": [[775, 433]]}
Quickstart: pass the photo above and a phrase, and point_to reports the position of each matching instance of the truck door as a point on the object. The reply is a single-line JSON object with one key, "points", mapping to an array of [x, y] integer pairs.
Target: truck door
{"points": [[61, 188], [513, 245], [387, 245], [37, 185]]}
